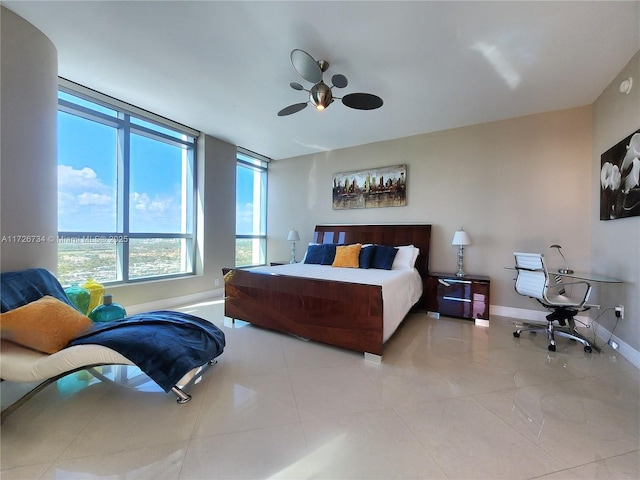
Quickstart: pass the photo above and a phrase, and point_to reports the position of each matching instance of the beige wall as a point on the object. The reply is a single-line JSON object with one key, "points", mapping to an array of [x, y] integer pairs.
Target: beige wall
{"points": [[615, 244], [29, 166], [28, 190], [515, 185]]}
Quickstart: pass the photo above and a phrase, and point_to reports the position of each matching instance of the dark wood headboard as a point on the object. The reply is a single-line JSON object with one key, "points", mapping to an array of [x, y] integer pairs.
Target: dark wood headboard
{"points": [[391, 235]]}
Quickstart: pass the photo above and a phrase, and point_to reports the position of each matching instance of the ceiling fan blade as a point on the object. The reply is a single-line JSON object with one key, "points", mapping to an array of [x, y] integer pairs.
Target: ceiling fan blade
{"points": [[296, 107], [296, 86], [362, 101], [306, 66], [339, 81]]}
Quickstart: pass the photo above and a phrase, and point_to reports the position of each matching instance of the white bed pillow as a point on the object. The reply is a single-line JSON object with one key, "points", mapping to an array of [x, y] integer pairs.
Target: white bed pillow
{"points": [[406, 258], [416, 252]]}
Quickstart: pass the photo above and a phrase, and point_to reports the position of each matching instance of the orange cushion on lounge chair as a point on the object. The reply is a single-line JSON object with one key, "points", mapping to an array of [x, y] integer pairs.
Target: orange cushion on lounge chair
{"points": [[46, 325]]}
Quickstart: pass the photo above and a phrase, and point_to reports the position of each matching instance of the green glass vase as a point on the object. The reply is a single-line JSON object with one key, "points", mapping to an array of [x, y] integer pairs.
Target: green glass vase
{"points": [[79, 297]]}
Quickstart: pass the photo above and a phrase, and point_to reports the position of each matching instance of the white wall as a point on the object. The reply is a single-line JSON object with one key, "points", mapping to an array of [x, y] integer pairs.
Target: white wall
{"points": [[29, 174], [615, 244], [520, 184], [28, 190]]}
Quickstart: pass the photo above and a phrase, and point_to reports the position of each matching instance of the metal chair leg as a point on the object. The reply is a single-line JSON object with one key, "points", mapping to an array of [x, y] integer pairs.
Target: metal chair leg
{"points": [[182, 396], [552, 338]]}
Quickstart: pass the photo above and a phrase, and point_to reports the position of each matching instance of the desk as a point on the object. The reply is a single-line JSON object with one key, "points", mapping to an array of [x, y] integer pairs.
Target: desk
{"points": [[590, 277]]}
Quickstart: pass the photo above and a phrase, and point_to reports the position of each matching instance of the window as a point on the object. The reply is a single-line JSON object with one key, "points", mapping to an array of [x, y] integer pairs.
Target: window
{"points": [[251, 209], [126, 186]]}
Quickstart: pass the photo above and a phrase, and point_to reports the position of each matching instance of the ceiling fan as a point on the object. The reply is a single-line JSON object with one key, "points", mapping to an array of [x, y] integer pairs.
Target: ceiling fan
{"points": [[320, 94]]}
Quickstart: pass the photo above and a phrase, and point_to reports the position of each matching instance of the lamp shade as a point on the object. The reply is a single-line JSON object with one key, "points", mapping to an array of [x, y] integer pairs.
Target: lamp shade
{"points": [[293, 236], [461, 238]]}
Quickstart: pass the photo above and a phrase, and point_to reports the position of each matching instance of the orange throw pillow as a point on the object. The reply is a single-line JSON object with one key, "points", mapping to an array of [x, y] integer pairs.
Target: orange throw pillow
{"points": [[347, 256], [46, 325]]}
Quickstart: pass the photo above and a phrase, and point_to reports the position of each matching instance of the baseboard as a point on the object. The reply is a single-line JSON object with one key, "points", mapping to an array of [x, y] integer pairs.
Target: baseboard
{"points": [[168, 303], [624, 349]]}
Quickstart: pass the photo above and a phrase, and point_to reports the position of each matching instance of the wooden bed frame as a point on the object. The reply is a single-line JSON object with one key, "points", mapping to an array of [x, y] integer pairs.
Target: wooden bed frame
{"points": [[343, 314]]}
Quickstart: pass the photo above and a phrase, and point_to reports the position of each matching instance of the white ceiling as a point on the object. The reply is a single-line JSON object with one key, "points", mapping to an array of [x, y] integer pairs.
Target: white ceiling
{"points": [[224, 67]]}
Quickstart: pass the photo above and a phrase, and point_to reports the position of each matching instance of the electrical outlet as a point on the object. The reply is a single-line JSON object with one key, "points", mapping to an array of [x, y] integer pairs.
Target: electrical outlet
{"points": [[620, 311], [216, 282]]}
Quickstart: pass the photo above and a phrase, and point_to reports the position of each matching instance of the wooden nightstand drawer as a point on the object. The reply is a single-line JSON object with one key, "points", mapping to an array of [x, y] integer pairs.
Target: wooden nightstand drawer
{"points": [[463, 297]]}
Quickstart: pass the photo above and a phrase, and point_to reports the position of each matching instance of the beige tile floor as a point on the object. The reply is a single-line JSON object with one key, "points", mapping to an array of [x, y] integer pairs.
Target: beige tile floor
{"points": [[450, 400]]}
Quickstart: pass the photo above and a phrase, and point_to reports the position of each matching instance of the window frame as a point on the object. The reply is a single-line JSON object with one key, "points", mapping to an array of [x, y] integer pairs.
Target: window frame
{"points": [[125, 129], [251, 160]]}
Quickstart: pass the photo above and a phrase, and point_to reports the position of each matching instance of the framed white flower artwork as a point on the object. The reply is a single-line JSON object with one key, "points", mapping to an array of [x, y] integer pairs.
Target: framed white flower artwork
{"points": [[620, 179]]}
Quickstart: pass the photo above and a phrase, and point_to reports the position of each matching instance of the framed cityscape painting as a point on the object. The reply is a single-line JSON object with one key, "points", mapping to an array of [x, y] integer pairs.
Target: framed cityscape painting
{"points": [[370, 188], [619, 179]]}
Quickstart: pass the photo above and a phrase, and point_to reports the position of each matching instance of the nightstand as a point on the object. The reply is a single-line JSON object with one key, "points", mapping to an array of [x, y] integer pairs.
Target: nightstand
{"points": [[463, 297]]}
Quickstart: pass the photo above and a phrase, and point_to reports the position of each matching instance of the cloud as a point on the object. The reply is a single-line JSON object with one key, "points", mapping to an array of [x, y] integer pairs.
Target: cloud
{"points": [[159, 204], [84, 179], [162, 213], [86, 203], [139, 201], [87, 198]]}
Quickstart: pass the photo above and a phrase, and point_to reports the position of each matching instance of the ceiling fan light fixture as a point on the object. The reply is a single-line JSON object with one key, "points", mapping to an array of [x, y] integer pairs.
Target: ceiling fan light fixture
{"points": [[320, 95]]}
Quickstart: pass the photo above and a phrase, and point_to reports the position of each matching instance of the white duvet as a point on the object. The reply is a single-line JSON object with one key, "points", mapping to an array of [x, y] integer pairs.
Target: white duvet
{"points": [[401, 289]]}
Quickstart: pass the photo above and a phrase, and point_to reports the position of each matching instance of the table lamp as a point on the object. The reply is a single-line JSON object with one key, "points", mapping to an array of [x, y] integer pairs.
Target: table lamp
{"points": [[293, 238], [566, 269], [461, 238]]}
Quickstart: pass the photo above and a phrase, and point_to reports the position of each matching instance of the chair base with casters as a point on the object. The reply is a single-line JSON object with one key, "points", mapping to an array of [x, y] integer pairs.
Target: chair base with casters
{"points": [[563, 318]]}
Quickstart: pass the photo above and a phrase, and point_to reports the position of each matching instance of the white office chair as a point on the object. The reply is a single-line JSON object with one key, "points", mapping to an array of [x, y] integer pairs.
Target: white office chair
{"points": [[533, 280]]}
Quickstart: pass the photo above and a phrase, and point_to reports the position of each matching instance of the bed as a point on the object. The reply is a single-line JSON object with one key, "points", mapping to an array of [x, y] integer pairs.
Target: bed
{"points": [[172, 348], [342, 312]]}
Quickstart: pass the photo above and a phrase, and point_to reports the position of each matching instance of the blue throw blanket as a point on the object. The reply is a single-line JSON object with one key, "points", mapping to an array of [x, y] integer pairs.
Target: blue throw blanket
{"points": [[26, 286], [164, 344]]}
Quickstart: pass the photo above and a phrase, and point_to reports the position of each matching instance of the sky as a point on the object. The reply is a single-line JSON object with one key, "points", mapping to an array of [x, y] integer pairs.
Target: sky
{"points": [[244, 201], [87, 179]]}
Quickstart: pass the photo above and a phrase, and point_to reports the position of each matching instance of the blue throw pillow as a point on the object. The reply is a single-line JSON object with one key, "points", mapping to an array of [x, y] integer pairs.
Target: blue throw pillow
{"points": [[366, 254], [383, 257], [314, 254], [328, 253]]}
